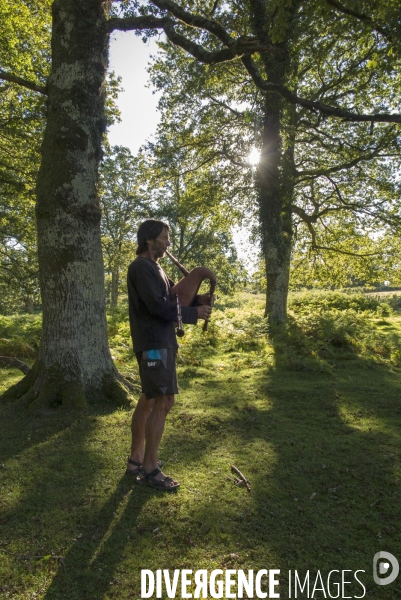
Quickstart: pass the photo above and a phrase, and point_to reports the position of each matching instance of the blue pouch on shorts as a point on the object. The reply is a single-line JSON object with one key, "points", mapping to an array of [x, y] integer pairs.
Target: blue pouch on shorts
{"points": [[154, 359], [151, 359]]}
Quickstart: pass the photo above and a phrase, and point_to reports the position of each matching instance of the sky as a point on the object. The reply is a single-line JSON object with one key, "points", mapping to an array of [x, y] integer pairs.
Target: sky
{"points": [[128, 58]]}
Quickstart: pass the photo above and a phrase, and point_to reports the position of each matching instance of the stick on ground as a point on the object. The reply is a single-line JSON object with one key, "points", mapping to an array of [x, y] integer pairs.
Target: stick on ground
{"points": [[244, 479]]}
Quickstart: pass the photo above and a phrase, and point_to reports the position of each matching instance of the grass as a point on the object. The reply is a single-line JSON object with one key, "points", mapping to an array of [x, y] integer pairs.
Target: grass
{"points": [[313, 425]]}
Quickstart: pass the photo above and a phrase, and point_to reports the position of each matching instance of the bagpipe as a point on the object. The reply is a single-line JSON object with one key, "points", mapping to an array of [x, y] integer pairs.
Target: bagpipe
{"points": [[186, 290]]}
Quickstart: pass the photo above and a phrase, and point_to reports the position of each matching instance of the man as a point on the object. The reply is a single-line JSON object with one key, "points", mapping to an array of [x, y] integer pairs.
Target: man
{"points": [[153, 313]]}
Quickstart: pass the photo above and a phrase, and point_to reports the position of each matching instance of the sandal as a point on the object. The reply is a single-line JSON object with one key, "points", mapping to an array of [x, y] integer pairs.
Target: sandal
{"points": [[133, 471], [136, 472], [158, 484]]}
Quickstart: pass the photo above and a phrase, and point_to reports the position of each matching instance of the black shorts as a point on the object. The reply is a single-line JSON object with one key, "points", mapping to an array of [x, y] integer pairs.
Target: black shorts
{"points": [[158, 372]]}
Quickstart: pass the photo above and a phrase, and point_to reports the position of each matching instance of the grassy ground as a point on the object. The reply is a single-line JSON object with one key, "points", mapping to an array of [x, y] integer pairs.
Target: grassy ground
{"points": [[313, 422]]}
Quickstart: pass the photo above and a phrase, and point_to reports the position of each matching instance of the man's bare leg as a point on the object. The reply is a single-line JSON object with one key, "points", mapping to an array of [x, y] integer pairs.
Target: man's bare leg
{"points": [[138, 425], [153, 434], [154, 430]]}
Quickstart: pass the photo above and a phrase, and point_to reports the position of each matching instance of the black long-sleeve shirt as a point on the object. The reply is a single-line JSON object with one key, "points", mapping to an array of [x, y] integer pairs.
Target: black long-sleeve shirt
{"points": [[152, 311]]}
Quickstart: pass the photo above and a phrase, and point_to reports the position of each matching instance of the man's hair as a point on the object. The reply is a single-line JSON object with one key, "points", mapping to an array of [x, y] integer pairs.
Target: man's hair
{"points": [[149, 230]]}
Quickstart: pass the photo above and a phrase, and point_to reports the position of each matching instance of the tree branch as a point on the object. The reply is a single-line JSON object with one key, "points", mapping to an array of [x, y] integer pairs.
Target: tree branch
{"points": [[325, 109], [215, 5], [199, 52], [224, 105], [338, 251], [304, 175], [24, 82], [132, 23], [12, 362], [151, 22], [195, 20], [233, 161], [361, 17], [235, 48], [241, 47], [308, 220]]}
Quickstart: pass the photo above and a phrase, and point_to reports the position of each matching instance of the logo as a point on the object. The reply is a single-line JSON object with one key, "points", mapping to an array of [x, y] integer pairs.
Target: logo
{"points": [[381, 565]]}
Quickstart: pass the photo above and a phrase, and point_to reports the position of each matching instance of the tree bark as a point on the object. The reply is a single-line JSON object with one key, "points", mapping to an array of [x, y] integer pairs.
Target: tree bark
{"points": [[74, 363], [114, 286], [28, 305], [274, 194], [275, 174]]}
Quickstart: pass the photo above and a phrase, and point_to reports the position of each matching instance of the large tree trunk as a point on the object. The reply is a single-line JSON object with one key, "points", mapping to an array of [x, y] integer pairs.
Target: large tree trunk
{"points": [[276, 186], [74, 362], [275, 174]]}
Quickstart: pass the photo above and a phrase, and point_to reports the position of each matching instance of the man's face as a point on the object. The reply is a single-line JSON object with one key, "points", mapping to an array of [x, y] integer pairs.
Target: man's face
{"points": [[160, 244]]}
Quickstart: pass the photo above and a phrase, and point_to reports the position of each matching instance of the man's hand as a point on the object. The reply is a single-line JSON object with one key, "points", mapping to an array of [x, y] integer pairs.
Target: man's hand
{"points": [[204, 299], [204, 311]]}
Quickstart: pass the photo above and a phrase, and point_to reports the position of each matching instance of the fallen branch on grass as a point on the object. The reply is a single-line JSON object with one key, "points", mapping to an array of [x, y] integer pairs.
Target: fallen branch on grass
{"points": [[243, 481]]}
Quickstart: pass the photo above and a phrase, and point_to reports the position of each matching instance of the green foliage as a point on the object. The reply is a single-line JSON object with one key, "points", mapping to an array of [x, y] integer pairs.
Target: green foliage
{"points": [[122, 210], [394, 301], [304, 303], [192, 199], [25, 38], [321, 340], [196, 346], [327, 327], [358, 256], [232, 329], [120, 340], [20, 336], [324, 330], [152, 186], [25, 52]]}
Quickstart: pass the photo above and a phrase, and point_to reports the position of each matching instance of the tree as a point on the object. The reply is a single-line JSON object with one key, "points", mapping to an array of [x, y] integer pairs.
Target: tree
{"points": [[123, 208], [24, 46], [74, 361], [300, 149], [192, 199], [167, 185]]}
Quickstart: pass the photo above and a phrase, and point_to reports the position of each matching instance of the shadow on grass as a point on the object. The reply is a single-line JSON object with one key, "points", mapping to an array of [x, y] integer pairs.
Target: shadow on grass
{"points": [[21, 430], [322, 453], [91, 565], [68, 512]]}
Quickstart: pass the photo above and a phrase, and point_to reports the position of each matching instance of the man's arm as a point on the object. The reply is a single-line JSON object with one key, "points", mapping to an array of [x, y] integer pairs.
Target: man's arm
{"points": [[148, 286]]}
